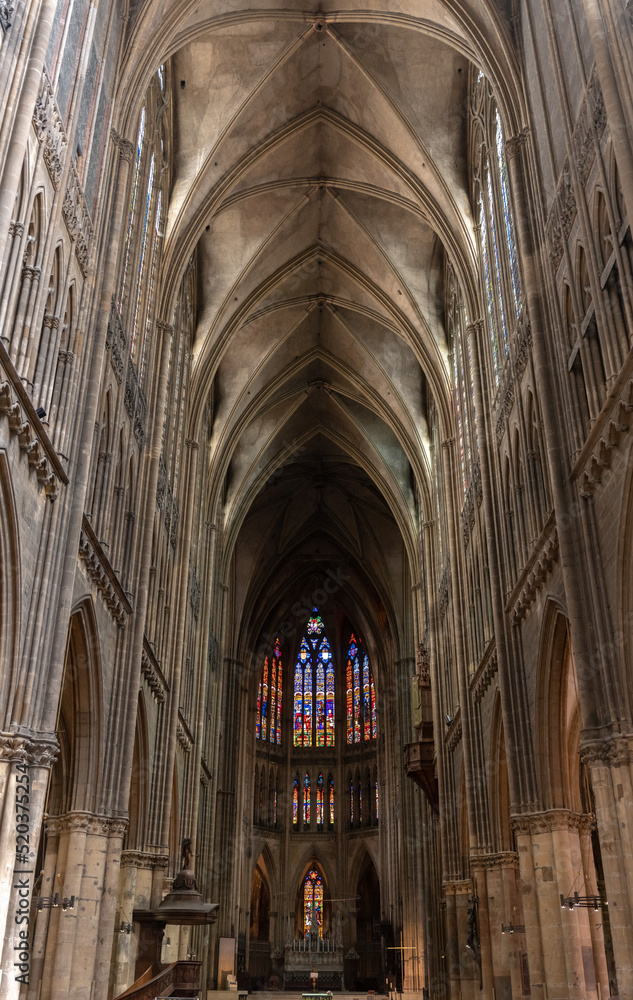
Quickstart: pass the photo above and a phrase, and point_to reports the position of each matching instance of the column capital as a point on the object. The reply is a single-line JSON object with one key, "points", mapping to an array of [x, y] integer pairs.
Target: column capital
{"points": [[551, 820], [610, 752], [491, 862], [516, 142], [125, 147]]}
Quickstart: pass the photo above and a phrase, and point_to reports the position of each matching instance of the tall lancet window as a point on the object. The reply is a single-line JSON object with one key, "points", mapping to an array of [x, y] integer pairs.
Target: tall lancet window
{"points": [[361, 695], [313, 903], [314, 688], [268, 724], [491, 193]]}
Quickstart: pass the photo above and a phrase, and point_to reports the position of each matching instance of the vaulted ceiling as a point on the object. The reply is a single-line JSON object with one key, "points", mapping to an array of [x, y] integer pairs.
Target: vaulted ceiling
{"points": [[320, 173]]}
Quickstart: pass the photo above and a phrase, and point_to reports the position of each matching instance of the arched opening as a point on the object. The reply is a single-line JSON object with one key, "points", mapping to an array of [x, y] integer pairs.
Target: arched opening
{"points": [[368, 943]]}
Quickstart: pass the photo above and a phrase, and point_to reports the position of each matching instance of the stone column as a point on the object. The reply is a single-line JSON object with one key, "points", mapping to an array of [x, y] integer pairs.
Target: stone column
{"points": [[609, 762], [560, 945], [137, 871], [24, 769], [496, 876], [463, 969]]}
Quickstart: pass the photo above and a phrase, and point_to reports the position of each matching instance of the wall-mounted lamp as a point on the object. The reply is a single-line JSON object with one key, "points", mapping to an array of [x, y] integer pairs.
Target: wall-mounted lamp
{"points": [[588, 902], [511, 928], [48, 902], [125, 928]]}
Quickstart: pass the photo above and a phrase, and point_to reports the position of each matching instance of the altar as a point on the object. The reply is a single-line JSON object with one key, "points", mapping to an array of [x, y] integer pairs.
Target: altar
{"points": [[323, 955]]}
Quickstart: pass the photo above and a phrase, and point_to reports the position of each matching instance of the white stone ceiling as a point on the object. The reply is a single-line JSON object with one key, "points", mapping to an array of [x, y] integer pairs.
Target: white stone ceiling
{"points": [[320, 168]]}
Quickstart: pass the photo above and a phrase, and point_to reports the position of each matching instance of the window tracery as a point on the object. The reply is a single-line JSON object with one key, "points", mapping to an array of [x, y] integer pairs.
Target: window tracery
{"points": [[360, 694], [314, 688]]}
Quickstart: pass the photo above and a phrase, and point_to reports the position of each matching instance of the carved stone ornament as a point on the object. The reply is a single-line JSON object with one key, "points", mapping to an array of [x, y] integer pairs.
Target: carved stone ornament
{"points": [[50, 131], [102, 575], [615, 751], [493, 862], [32, 750], [6, 13], [77, 219], [143, 859], [530, 824], [515, 143], [125, 147]]}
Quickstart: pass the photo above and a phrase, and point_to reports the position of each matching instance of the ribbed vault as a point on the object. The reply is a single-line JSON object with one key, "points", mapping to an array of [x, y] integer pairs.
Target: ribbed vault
{"points": [[320, 179]]}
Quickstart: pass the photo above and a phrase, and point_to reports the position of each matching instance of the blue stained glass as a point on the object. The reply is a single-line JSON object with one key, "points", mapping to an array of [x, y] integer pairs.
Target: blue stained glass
{"points": [[491, 315], [141, 262], [497, 268], [460, 429], [307, 705], [507, 211], [130, 223]]}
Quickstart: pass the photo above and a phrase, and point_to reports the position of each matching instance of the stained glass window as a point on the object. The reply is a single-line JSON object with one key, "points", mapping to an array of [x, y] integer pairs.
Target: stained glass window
{"points": [[142, 354], [495, 247], [489, 297], [313, 902], [132, 210], [360, 694], [306, 800], [265, 699], [376, 800], [268, 723], [275, 804], [351, 802], [134, 346], [161, 76], [295, 801], [507, 211], [319, 800], [360, 801], [331, 799], [314, 688]]}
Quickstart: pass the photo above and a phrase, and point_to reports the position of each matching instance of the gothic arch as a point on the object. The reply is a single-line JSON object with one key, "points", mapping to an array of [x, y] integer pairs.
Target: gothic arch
{"points": [[558, 718], [139, 787], [9, 584], [75, 777], [625, 585], [499, 784]]}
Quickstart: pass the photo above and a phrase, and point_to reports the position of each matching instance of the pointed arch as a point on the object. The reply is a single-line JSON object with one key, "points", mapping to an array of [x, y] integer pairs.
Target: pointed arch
{"points": [[558, 714], [139, 787], [499, 785], [9, 584], [76, 776]]}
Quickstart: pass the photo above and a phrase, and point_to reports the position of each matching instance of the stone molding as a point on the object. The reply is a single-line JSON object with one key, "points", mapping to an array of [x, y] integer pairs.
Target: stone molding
{"points": [[125, 147], [459, 887], [85, 822], [50, 132], [454, 734], [36, 751], [539, 565], [515, 143], [152, 673], [116, 343], [493, 862], [102, 575], [144, 859], [38, 451], [589, 128], [483, 676], [550, 821], [183, 734], [612, 752], [597, 455], [78, 220]]}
